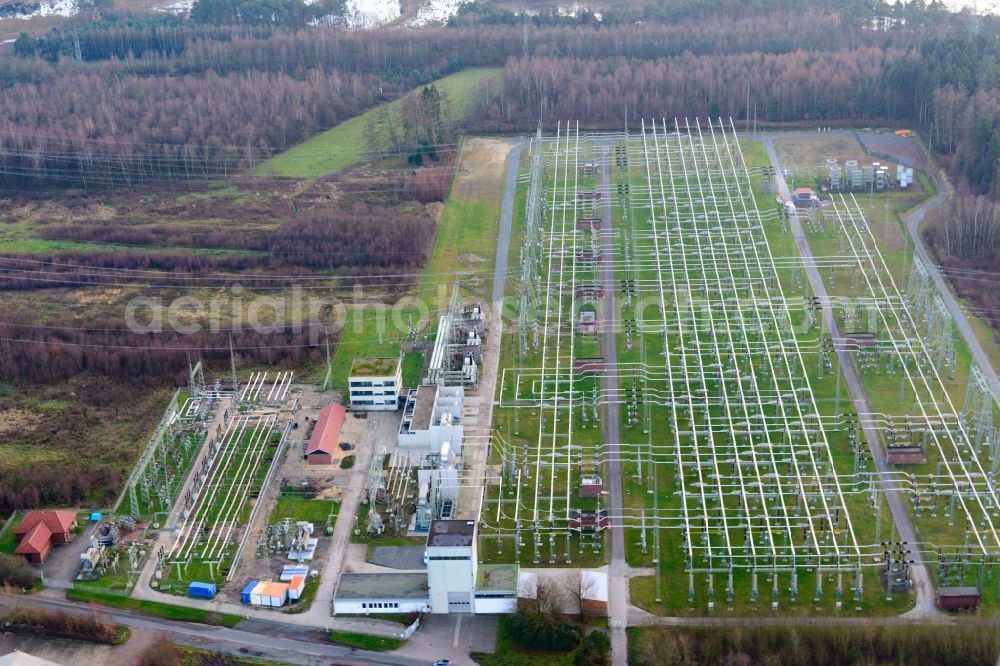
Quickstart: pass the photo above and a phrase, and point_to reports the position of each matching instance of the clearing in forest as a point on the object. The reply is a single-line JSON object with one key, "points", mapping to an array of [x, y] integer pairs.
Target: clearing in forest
{"points": [[344, 145]]}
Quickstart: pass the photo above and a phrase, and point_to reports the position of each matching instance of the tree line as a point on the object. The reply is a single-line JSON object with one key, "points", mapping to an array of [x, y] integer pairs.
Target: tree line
{"points": [[811, 645], [852, 84], [154, 102], [57, 624], [81, 128], [915, 16], [42, 354]]}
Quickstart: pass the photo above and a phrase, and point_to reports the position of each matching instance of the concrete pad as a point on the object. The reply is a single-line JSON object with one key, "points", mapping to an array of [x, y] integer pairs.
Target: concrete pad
{"points": [[398, 557], [452, 637]]}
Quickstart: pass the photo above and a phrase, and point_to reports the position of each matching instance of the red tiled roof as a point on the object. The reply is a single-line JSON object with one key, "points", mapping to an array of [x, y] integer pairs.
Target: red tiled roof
{"points": [[35, 540], [327, 431], [56, 521]]}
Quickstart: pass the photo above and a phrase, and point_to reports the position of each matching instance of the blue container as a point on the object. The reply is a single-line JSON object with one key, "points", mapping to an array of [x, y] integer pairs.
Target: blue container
{"points": [[95, 517], [245, 594], [202, 590]]}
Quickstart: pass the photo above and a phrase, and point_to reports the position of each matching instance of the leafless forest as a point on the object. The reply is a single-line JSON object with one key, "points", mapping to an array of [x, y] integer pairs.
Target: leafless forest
{"points": [[146, 115]]}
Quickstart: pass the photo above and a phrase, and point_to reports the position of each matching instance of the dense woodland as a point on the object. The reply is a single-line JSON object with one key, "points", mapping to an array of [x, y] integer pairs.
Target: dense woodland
{"points": [[120, 103], [126, 103]]}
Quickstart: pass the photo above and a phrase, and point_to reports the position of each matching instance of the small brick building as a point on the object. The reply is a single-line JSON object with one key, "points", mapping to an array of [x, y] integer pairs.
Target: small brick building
{"points": [[38, 530]]}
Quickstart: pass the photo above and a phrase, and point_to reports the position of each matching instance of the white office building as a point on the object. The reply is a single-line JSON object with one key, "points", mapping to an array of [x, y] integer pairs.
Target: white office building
{"points": [[375, 384]]}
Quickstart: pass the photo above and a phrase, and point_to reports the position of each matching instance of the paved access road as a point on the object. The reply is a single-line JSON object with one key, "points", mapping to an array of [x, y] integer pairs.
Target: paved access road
{"points": [[611, 431], [501, 271], [924, 590], [913, 220], [230, 640]]}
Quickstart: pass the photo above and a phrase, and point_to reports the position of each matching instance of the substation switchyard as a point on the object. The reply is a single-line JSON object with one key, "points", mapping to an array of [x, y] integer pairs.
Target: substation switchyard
{"points": [[244, 441], [749, 403]]}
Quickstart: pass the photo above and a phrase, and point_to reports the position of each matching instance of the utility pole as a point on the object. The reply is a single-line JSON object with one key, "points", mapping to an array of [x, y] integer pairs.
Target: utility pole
{"points": [[329, 365], [748, 104], [232, 362]]}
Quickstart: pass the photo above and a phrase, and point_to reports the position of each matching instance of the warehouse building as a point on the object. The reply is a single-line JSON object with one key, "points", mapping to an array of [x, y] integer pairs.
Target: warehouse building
{"points": [[322, 446], [375, 384]]}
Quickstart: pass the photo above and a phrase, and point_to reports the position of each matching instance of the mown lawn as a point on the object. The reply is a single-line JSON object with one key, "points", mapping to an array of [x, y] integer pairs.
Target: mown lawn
{"points": [[465, 244], [344, 145]]}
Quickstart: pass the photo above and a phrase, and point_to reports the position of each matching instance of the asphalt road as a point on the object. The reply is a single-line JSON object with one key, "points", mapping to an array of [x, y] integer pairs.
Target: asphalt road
{"points": [[913, 220], [611, 432], [230, 640], [921, 580], [506, 221]]}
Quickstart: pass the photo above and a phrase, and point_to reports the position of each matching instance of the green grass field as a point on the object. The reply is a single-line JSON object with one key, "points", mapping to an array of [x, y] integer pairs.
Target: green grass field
{"points": [[166, 611], [413, 365], [299, 508], [370, 330], [511, 653], [365, 641], [468, 229], [344, 145]]}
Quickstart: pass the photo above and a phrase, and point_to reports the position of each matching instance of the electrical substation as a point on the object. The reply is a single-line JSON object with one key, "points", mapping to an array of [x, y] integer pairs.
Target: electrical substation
{"points": [[674, 330]]}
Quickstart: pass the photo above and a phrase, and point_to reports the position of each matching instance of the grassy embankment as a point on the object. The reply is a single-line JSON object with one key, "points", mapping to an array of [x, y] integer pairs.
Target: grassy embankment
{"points": [[366, 641], [167, 611]]}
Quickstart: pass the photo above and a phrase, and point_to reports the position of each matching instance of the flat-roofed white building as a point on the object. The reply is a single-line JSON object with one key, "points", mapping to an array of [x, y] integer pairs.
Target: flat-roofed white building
{"points": [[375, 384], [374, 593]]}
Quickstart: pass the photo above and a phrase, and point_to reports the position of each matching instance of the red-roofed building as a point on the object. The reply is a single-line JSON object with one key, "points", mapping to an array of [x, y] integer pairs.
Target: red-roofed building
{"points": [[38, 530], [802, 197], [325, 435]]}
